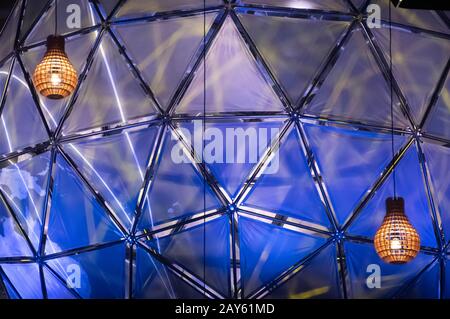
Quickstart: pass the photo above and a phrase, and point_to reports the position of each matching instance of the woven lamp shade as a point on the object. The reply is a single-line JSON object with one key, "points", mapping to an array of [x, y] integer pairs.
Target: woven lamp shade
{"points": [[396, 241], [55, 77]]}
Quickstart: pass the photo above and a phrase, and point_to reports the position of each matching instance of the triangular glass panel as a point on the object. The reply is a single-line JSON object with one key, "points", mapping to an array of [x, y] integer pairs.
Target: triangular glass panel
{"points": [[4, 73], [25, 278], [370, 103], [77, 49], [408, 172], [423, 19], [55, 288], [9, 31], [437, 160], [154, 281], [73, 16], [178, 190], [110, 94], [313, 281], [362, 264], [115, 166], [239, 75], [164, 50], [359, 3], [21, 124], [267, 250], [315, 37], [231, 149], [337, 5], [10, 290], [24, 185], [203, 250], [447, 278], [33, 10], [108, 6], [287, 187], [101, 271], [76, 218], [438, 123], [418, 68], [426, 286], [13, 242], [350, 159], [139, 8]]}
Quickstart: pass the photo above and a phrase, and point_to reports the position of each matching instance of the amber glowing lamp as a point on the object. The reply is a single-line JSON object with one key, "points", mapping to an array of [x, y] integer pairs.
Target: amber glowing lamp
{"points": [[55, 77], [396, 241]]}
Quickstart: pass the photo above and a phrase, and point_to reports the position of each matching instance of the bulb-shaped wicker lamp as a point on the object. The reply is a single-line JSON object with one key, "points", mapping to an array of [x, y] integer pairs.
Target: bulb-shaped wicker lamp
{"points": [[396, 241], [55, 77]]}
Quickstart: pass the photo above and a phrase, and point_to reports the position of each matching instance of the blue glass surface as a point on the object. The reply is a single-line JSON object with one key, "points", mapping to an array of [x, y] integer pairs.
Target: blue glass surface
{"points": [[438, 160], [76, 218], [9, 30], [245, 144], [427, 286], [161, 60], [30, 288], [203, 250], [4, 73], [289, 190], [111, 94], [316, 37], [356, 90], [447, 278], [314, 280], [416, 77], [118, 211], [20, 125], [223, 91], [25, 187], [439, 119], [267, 250], [56, 288], [101, 272], [360, 261], [10, 289], [116, 166], [13, 242], [177, 189], [350, 162], [155, 281], [46, 24]]}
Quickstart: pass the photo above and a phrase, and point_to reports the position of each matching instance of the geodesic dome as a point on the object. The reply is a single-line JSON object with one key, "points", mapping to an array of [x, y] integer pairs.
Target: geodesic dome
{"points": [[93, 205]]}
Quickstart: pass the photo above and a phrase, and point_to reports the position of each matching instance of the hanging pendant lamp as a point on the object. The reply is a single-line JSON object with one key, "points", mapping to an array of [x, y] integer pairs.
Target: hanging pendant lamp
{"points": [[396, 241], [55, 77]]}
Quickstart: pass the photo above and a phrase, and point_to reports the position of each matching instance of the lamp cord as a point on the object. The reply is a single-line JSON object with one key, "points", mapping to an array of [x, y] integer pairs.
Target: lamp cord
{"points": [[392, 97], [203, 146], [56, 17]]}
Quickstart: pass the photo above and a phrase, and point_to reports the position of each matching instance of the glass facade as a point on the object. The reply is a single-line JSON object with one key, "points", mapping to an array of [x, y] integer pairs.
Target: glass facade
{"points": [[121, 189]]}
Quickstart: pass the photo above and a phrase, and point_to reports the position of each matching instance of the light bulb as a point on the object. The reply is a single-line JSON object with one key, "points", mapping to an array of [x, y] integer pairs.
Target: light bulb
{"points": [[55, 77], [396, 244], [396, 241]]}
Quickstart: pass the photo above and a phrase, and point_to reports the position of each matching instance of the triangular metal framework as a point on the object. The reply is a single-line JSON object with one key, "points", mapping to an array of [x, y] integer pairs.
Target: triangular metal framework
{"points": [[167, 120]]}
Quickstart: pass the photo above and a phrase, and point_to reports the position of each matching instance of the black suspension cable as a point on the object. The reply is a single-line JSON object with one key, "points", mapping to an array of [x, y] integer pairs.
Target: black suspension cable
{"points": [[392, 98], [203, 146], [56, 17]]}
